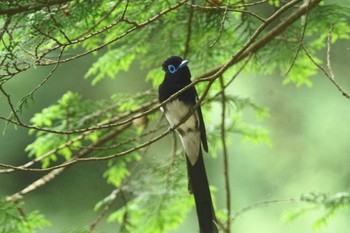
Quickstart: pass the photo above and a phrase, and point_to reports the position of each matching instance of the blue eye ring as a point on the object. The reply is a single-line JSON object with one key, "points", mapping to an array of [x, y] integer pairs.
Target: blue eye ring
{"points": [[171, 69]]}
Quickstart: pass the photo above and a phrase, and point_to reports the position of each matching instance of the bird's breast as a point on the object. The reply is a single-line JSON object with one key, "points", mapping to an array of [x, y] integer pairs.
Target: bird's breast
{"points": [[176, 110], [189, 132]]}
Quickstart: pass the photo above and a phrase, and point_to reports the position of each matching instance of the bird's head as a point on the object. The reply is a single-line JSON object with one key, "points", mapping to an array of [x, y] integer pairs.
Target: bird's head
{"points": [[176, 68]]}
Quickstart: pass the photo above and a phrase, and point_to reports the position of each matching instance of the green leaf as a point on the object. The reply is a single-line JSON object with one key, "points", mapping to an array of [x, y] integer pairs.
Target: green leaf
{"points": [[116, 173], [330, 204], [13, 222], [110, 64], [166, 183], [292, 215]]}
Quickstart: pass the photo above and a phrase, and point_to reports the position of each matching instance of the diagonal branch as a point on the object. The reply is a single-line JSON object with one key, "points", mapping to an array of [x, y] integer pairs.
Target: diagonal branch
{"points": [[48, 177], [263, 204], [251, 47], [31, 7], [137, 26], [301, 39], [209, 77], [221, 25], [329, 74]]}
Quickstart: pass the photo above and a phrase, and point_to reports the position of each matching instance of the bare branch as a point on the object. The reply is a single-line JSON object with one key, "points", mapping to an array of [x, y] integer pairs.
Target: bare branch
{"points": [[111, 200], [125, 152], [57, 25], [46, 178], [8, 97], [263, 204], [103, 18], [45, 79], [221, 25], [130, 30], [147, 108], [328, 75], [189, 31], [251, 47], [243, 5], [329, 44], [225, 155], [301, 38], [4, 27], [36, 6], [226, 9]]}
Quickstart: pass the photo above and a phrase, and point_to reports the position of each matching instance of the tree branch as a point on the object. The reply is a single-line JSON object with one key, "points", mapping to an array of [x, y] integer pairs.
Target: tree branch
{"points": [[225, 155], [247, 49], [329, 76], [31, 7], [263, 204], [54, 173], [251, 47], [189, 32], [128, 31]]}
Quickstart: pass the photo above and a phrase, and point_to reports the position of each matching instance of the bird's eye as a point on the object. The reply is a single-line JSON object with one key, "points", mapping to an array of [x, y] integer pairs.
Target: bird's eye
{"points": [[171, 69]]}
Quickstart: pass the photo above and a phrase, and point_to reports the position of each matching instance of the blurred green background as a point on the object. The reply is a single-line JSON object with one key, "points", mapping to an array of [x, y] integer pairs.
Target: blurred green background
{"points": [[310, 149]]}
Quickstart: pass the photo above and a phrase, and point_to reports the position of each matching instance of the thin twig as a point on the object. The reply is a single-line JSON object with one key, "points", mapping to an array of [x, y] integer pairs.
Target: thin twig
{"points": [[111, 200], [226, 8], [215, 72], [189, 31], [23, 167], [344, 93], [120, 36], [55, 172], [249, 3], [8, 98], [4, 27], [262, 204], [14, 110], [301, 39], [49, 75], [150, 106], [101, 19], [126, 142], [57, 24], [329, 44], [36, 6], [250, 47], [125, 152], [120, 191], [237, 57], [225, 155], [221, 26]]}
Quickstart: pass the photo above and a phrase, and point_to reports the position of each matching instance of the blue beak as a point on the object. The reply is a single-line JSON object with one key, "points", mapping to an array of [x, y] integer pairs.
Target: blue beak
{"points": [[183, 63]]}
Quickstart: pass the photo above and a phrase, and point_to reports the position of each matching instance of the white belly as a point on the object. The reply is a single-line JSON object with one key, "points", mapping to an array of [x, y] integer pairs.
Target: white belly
{"points": [[188, 131]]}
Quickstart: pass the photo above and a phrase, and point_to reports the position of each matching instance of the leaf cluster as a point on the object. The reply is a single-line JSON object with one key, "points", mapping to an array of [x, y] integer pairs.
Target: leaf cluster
{"points": [[121, 33], [72, 112], [330, 203], [155, 199], [285, 54], [14, 220]]}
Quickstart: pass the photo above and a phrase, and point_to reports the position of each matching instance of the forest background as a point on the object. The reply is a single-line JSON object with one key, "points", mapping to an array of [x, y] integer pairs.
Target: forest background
{"points": [[78, 108]]}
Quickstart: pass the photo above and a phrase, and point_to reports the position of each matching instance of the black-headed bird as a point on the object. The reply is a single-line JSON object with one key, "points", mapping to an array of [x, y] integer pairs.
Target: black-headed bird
{"points": [[192, 135]]}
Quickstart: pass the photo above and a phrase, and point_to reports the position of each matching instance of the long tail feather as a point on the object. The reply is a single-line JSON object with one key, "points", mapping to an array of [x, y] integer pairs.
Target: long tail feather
{"points": [[199, 186]]}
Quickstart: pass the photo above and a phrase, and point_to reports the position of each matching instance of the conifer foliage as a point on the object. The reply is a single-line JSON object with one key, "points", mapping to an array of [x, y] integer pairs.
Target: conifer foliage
{"points": [[225, 38]]}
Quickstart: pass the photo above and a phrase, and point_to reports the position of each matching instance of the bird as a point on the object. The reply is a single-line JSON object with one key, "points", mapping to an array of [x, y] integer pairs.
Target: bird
{"points": [[192, 135]]}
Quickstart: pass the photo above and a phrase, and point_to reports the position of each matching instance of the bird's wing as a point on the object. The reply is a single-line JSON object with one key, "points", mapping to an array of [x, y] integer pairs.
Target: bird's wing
{"points": [[202, 130], [202, 126]]}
